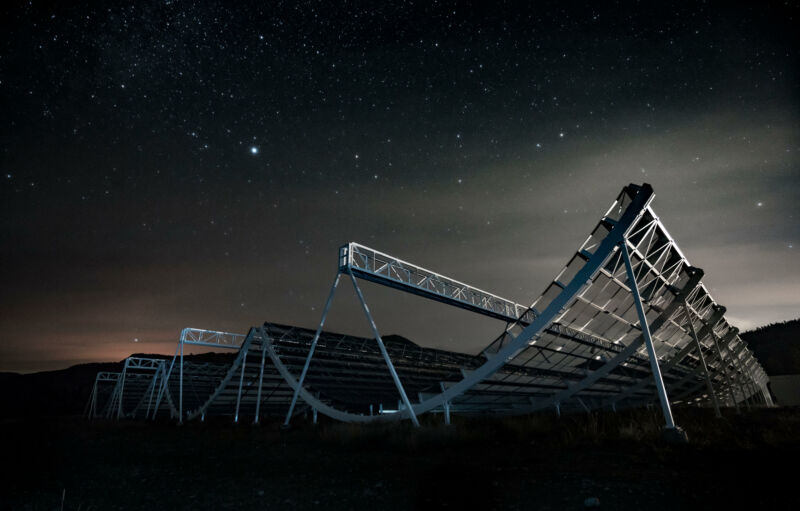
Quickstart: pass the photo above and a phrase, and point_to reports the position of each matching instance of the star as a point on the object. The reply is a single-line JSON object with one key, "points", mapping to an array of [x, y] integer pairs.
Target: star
{"points": [[253, 150]]}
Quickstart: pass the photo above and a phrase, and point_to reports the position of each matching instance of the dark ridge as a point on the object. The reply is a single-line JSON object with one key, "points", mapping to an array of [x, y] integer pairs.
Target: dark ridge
{"points": [[66, 391], [776, 346]]}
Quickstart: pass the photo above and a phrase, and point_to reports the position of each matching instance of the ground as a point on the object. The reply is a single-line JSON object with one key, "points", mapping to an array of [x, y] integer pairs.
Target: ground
{"points": [[536, 462]]}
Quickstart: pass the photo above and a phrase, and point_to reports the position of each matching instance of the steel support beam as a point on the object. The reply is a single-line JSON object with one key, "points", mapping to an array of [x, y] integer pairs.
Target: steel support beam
{"points": [[445, 406], [724, 368], [662, 392], [180, 392], [93, 401], [152, 391], [387, 270], [702, 360], [243, 350], [395, 377], [241, 381], [260, 382], [121, 385], [695, 274], [165, 382], [720, 368], [311, 349], [737, 365]]}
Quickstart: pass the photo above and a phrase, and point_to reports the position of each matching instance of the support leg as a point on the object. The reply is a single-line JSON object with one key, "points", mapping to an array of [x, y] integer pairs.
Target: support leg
{"points": [[311, 350], [751, 389], [702, 361], [112, 404], [743, 385], [241, 381], [446, 405], [121, 389], [93, 401], [662, 392], [388, 360], [152, 391], [765, 392], [164, 382], [762, 387], [260, 380], [724, 369], [739, 377], [180, 392], [751, 381]]}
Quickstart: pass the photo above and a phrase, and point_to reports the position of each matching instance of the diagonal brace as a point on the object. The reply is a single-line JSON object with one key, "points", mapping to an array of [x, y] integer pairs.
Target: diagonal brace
{"points": [[648, 341], [311, 349], [385, 354]]}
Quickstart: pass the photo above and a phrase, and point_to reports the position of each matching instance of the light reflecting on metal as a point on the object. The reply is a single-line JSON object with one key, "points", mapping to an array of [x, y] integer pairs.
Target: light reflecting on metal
{"points": [[579, 346]]}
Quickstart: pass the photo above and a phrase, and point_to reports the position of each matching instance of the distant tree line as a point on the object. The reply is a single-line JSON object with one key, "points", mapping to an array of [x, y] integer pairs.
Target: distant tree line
{"points": [[777, 346]]}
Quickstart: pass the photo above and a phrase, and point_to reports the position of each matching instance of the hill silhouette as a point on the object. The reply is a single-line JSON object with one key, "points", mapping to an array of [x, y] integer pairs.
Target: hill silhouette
{"points": [[50, 393], [776, 346], [64, 391]]}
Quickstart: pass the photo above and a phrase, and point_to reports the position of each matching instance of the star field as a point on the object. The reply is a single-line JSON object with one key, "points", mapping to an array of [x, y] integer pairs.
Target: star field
{"points": [[167, 164]]}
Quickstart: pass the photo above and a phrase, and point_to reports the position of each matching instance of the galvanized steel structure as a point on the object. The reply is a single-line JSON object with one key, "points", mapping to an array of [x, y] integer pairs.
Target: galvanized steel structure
{"points": [[627, 322]]}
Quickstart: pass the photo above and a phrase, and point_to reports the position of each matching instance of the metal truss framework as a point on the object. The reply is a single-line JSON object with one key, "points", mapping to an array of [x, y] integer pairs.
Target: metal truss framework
{"points": [[132, 392], [104, 387], [626, 322], [626, 292]]}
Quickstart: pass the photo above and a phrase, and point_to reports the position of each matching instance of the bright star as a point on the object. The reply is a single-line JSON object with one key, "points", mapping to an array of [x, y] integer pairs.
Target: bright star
{"points": [[253, 150]]}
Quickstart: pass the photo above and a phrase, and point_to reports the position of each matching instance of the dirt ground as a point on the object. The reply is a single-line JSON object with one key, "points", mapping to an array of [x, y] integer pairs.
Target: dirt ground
{"points": [[535, 462]]}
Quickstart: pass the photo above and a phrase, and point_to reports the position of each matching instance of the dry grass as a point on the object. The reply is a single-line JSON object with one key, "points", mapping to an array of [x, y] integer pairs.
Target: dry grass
{"points": [[534, 461], [642, 426]]}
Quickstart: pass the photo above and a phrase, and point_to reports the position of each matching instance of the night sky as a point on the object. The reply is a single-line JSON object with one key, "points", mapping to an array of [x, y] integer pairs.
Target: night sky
{"points": [[166, 164]]}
